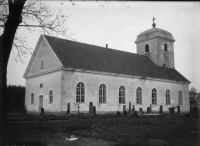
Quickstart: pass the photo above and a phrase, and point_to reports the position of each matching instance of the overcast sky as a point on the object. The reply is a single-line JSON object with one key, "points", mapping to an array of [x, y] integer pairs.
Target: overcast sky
{"points": [[118, 26]]}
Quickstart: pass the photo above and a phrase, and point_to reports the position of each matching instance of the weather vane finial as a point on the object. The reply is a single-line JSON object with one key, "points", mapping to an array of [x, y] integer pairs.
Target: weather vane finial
{"points": [[153, 22]]}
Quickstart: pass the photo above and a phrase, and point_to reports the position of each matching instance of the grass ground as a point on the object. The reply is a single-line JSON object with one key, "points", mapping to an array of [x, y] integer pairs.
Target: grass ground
{"points": [[104, 129]]}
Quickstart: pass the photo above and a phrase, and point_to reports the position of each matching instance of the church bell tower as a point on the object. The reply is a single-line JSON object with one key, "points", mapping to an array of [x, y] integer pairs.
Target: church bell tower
{"points": [[158, 45]]}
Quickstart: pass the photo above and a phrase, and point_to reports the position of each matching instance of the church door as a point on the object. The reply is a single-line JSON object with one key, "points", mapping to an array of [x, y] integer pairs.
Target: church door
{"points": [[40, 102]]}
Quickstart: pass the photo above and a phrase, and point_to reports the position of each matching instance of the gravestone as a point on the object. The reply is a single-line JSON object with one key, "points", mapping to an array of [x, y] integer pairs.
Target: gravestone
{"points": [[94, 110], [131, 113], [171, 110], [42, 111], [148, 110], [178, 109], [78, 108], [129, 108], [132, 110], [161, 109], [91, 107], [140, 113], [68, 108], [124, 108]]}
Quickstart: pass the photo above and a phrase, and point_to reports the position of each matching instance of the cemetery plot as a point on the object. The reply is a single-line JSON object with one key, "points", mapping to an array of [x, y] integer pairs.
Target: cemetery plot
{"points": [[174, 129]]}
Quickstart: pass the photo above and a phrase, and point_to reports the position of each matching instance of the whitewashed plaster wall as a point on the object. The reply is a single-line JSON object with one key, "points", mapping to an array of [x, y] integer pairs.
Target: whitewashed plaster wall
{"points": [[51, 81], [70, 79]]}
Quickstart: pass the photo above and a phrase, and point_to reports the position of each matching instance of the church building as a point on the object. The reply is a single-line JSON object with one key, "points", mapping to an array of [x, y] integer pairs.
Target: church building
{"points": [[65, 75]]}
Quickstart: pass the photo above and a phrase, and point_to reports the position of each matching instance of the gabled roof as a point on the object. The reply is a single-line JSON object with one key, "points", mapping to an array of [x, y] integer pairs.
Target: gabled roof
{"points": [[78, 55]]}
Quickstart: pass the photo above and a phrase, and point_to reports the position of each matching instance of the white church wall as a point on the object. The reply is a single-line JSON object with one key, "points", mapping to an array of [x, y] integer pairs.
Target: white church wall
{"points": [[93, 81], [51, 81]]}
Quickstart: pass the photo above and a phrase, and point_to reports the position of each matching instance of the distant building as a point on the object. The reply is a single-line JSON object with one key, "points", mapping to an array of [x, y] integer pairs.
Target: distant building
{"points": [[66, 74]]}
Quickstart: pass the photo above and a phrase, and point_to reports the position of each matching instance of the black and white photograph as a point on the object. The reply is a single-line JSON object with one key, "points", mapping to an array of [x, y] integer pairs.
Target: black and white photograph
{"points": [[99, 73]]}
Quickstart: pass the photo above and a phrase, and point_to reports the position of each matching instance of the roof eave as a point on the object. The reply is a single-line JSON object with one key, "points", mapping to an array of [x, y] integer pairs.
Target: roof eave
{"points": [[140, 41], [123, 75]]}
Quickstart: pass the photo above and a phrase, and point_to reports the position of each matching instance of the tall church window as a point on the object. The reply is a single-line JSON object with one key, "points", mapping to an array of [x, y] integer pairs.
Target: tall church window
{"points": [[165, 47], [154, 96], [42, 64], [80, 92], [102, 93], [139, 95], [121, 94], [167, 97], [32, 98], [146, 48], [50, 96], [180, 98]]}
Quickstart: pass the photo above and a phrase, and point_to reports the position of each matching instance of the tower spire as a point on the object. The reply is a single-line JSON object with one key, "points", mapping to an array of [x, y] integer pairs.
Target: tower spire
{"points": [[154, 25]]}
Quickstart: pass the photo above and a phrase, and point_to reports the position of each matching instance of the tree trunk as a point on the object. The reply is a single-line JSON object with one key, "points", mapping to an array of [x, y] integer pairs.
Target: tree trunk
{"points": [[3, 101], [6, 40]]}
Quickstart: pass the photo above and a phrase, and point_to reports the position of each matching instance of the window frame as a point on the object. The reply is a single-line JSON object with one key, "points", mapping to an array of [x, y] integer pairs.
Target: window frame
{"points": [[154, 96], [50, 96], [167, 97], [122, 95], [102, 94], [165, 48], [80, 92], [41, 85], [147, 48], [139, 95], [180, 97]]}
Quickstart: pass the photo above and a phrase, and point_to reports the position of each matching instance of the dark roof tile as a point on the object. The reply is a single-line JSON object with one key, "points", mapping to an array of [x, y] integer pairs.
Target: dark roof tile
{"points": [[78, 55]]}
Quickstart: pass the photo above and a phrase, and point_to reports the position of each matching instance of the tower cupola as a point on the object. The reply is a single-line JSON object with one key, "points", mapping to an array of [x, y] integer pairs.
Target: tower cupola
{"points": [[158, 45]]}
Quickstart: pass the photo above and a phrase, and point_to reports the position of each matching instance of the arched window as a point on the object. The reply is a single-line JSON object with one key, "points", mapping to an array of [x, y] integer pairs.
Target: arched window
{"points": [[32, 98], [180, 98], [146, 48], [165, 47], [102, 93], [154, 96], [139, 95], [50, 96], [121, 94], [167, 97], [80, 92], [42, 64]]}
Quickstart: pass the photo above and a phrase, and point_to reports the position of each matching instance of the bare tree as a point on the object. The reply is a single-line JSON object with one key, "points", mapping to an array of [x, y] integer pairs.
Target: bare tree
{"points": [[15, 14], [32, 15]]}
